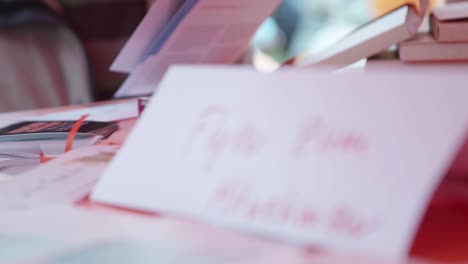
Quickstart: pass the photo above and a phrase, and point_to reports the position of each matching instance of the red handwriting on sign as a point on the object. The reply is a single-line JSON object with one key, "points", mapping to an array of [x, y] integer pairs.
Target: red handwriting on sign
{"points": [[316, 135], [240, 201], [345, 221], [216, 132]]}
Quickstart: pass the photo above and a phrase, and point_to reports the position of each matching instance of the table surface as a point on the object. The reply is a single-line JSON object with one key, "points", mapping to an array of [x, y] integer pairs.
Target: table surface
{"points": [[442, 236]]}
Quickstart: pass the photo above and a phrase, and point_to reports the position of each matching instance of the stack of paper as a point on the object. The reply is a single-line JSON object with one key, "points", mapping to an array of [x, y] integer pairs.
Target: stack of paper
{"points": [[447, 41], [30, 138], [22, 143], [63, 180]]}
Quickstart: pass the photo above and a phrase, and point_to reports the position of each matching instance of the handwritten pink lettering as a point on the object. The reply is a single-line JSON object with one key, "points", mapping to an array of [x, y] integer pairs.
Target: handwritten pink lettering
{"points": [[241, 201], [316, 135], [346, 222], [216, 133], [246, 141], [280, 210]]}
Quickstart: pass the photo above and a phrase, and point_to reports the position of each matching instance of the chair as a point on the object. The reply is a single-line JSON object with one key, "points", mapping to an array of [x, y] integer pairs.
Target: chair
{"points": [[42, 62]]}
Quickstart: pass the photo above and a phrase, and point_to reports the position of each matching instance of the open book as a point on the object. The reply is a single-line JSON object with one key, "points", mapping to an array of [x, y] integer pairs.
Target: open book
{"points": [[188, 32]]}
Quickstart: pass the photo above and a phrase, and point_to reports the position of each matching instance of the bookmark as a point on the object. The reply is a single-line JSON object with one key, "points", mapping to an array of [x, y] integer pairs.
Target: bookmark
{"points": [[70, 139]]}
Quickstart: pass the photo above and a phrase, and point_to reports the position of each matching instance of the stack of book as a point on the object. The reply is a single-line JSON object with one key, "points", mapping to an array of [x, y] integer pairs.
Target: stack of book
{"points": [[447, 40]]}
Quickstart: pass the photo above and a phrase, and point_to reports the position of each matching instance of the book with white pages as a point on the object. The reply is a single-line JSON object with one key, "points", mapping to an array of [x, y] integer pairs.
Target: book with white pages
{"points": [[370, 39], [20, 156], [188, 32]]}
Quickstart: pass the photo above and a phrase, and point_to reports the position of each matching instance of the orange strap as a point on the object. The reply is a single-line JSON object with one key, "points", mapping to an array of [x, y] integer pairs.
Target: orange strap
{"points": [[70, 138], [43, 159], [73, 131]]}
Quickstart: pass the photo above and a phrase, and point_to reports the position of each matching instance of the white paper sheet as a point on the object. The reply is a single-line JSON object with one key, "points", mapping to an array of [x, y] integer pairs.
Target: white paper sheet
{"points": [[64, 180], [344, 161]]}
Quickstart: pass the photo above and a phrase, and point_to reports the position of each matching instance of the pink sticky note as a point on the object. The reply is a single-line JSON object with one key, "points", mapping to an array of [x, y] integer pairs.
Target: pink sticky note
{"points": [[343, 161]]}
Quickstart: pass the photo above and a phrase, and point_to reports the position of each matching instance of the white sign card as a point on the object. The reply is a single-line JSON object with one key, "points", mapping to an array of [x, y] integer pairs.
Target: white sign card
{"points": [[345, 161]]}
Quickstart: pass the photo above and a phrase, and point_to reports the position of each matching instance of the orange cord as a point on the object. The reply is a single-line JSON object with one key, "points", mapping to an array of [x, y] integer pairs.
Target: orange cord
{"points": [[43, 159], [70, 138], [74, 130]]}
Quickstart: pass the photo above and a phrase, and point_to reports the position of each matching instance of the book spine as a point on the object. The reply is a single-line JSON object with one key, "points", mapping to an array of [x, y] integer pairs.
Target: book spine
{"points": [[453, 32], [456, 31], [455, 52], [434, 27]]}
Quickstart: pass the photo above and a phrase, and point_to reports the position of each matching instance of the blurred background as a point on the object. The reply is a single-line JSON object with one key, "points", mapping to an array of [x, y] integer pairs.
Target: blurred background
{"points": [[58, 52]]}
